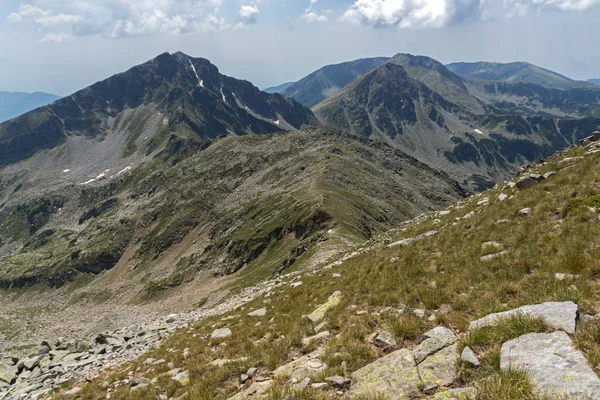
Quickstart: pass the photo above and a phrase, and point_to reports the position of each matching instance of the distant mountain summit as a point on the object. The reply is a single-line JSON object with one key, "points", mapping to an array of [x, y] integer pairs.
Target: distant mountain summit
{"points": [[328, 80], [13, 104], [171, 95], [478, 131], [516, 72]]}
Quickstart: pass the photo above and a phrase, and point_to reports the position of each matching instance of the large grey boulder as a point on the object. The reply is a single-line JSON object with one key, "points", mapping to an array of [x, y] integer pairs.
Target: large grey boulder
{"points": [[436, 339], [558, 315], [394, 376], [439, 369], [555, 366]]}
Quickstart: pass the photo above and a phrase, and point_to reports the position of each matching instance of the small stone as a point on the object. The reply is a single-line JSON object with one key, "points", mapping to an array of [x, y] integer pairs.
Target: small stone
{"points": [[318, 336], [220, 333], [304, 383], [258, 313], [469, 357], [419, 312], [561, 277], [502, 197], [149, 361], [296, 284], [494, 246], [524, 212], [490, 257], [549, 174], [244, 378], [338, 382], [319, 327], [385, 340], [72, 392], [186, 353], [139, 381], [336, 275], [319, 386], [251, 372]]}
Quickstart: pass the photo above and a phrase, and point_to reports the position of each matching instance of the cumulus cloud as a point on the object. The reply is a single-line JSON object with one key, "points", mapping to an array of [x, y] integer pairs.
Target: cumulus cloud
{"points": [[119, 18], [522, 7], [56, 38], [412, 13], [441, 13], [310, 15], [248, 14]]}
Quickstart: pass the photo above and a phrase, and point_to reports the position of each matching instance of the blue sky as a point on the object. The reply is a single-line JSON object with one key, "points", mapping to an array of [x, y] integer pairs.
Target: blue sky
{"points": [[61, 46]]}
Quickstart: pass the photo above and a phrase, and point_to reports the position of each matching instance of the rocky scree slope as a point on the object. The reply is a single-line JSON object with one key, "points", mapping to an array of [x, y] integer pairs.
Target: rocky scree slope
{"points": [[477, 131], [256, 204], [495, 297]]}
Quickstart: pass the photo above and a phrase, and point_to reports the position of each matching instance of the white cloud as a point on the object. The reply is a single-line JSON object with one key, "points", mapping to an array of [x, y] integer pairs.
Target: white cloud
{"points": [[411, 13], [249, 14], [56, 38], [310, 15], [441, 13], [522, 7], [118, 18]]}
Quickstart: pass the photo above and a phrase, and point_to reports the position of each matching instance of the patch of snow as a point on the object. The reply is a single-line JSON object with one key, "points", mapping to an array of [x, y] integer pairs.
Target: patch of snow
{"points": [[223, 94], [200, 81], [276, 122], [101, 176], [88, 182], [478, 131], [66, 170], [124, 170]]}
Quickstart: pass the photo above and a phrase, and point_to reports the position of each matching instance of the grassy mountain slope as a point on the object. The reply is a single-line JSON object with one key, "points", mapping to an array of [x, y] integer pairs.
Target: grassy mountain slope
{"points": [[256, 202], [173, 93], [443, 275], [478, 131], [13, 104], [516, 72], [326, 81]]}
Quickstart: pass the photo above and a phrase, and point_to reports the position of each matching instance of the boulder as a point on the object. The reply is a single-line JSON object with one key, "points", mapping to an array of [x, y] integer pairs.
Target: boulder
{"points": [[439, 369], [559, 315], [220, 333], [436, 339], [555, 366], [385, 340], [319, 313], [395, 376], [525, 212], [502, 197], [469, 357]]}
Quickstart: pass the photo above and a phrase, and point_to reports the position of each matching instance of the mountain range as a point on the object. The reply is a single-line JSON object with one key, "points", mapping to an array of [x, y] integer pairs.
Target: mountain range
{"points": [[13, 104], [172, 168]]}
